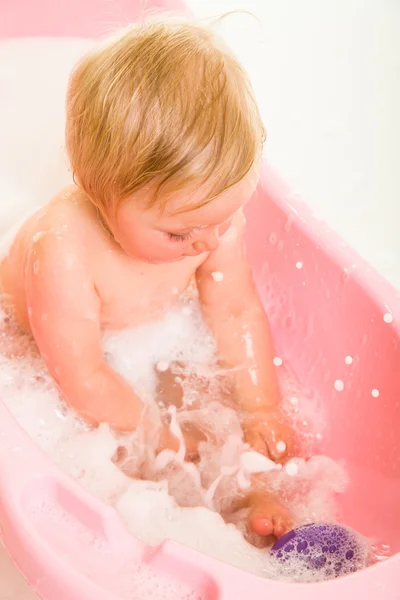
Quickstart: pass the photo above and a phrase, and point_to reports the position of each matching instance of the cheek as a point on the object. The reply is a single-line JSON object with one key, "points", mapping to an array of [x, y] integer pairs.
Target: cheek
{"points": [[146, 243], [149, 245]]}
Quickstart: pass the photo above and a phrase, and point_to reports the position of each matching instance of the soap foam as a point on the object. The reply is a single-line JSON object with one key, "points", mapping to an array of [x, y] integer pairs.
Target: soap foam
{"points": [[170, 498]]}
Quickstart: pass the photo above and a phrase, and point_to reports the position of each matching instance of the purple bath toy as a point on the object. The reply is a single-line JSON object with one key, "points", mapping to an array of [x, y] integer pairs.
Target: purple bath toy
{"points": [[319, 551]]}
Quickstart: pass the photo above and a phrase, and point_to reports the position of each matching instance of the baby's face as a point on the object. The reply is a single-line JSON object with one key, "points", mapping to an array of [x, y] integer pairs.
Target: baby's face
{"points": [[156, 236]]}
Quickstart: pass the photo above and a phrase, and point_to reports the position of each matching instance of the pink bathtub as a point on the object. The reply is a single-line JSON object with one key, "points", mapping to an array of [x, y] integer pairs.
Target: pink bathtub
{"points": [[329, 305]]}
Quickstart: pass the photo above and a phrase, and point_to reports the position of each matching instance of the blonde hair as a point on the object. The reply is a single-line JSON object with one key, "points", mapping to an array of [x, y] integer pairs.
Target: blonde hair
{"points": [[163, 103]]}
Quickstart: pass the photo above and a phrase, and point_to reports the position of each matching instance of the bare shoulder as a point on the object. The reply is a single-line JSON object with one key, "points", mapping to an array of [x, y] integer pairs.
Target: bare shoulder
{"points": [[68, 214], [66, 222]]}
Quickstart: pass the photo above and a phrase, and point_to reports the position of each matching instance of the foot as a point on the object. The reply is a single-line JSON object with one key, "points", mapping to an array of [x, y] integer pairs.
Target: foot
{"points": [[268, 517]]}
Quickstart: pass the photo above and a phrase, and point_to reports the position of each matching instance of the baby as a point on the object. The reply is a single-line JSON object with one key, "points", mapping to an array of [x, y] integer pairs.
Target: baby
{"points": [[165, 140]]}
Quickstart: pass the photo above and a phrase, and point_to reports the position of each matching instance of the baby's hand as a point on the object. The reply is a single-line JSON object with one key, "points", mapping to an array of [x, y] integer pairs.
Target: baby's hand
{"points": [[269, 433]]}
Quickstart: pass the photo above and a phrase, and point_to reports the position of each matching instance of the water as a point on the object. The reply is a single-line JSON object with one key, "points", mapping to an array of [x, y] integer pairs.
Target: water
{"points": [[173, 499]]}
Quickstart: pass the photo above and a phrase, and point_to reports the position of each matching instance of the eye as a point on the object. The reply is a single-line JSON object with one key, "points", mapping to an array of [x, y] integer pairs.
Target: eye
{"points": [[179, 238]]}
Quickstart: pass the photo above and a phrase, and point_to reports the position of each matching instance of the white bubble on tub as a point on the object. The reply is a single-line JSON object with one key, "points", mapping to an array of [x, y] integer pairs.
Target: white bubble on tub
{"points": [[388, 317], [375, 393], [294, 401], [218, 276], [273, 238], [348, 360], [299, 264], [339, 385], [278, 362]]}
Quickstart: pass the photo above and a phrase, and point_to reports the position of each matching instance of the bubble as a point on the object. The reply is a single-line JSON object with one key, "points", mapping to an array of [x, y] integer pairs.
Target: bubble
{"points": [[162, 366], [218, 276], [281, 447], [253, 375], [375, 393], [294, 401], [388, 317], [339, 385], [291, 468], [278, 362], [348, 360], [299, 265]]}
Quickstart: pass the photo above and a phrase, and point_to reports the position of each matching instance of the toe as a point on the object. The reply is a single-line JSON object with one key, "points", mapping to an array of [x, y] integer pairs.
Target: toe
{"points": [[261, 525]]}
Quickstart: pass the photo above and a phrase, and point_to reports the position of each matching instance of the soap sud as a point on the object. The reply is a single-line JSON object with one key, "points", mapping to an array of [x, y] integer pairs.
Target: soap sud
{"points": [[218, 276], [375, 393], [348, 360], [277, 361], [170, 498], [162, 366], [339, 385], [281, 447], [299, 265], [291, 468], [388, 317]]}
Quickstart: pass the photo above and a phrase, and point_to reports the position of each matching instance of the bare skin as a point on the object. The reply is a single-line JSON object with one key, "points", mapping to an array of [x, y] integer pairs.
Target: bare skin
{"points": [[71, 274]]}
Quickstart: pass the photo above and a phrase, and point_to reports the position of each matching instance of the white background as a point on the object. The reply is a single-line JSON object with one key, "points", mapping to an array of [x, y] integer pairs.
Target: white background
{"points": [[327, 77]]}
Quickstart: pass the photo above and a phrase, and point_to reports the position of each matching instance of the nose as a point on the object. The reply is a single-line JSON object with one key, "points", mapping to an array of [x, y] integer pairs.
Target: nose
{"points": [[209, 241]]}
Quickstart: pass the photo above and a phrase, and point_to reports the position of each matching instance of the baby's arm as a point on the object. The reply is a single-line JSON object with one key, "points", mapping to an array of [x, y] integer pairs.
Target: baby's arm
{"points": [[237, 318], [64, 312]]}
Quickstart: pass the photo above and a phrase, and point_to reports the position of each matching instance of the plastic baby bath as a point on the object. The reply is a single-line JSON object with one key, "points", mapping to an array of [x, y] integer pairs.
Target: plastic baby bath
{"points": [[70, 545]]}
